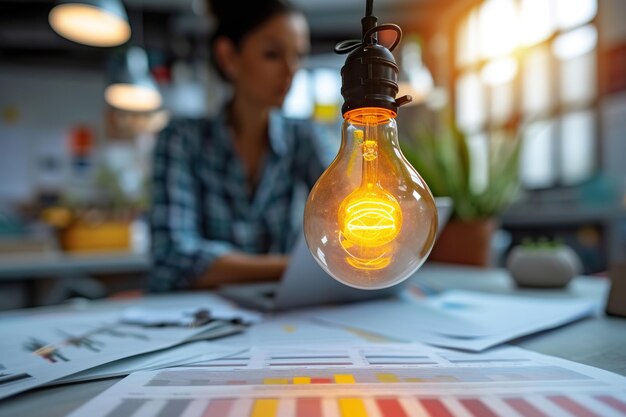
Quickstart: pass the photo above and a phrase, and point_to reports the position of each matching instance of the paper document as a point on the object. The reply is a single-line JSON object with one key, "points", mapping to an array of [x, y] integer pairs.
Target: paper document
{"points": [[42, 349], [289, 328], [459, 319], [186, 316], [499, 313], [368, 381]]}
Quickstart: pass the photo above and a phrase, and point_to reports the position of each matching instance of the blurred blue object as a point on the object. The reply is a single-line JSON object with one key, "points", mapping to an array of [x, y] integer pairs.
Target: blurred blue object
{"points": [[599, 190], [10, 225]]}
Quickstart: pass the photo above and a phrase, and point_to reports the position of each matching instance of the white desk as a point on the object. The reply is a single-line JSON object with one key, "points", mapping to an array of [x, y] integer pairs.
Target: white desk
{"points": [[597, 341]]}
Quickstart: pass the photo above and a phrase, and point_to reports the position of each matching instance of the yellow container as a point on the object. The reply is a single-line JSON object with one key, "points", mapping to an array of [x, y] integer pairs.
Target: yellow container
{"points": [[95, 237]]}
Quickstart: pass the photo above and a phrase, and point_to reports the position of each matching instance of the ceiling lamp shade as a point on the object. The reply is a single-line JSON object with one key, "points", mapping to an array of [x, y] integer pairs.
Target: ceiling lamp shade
{"points": [[131, 87], [91, 22]]}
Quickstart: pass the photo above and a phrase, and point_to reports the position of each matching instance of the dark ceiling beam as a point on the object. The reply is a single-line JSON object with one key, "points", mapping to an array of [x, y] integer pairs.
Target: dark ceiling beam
{"points": [[25, 35]]}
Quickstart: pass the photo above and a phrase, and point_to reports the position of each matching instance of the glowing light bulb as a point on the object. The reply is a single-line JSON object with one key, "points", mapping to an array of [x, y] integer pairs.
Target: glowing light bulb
{"points": [[370, 220]]}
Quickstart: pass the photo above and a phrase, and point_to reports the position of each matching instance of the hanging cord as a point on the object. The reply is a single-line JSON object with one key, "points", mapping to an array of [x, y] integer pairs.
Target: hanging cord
{"points": [[369, 7], [348, 46]]}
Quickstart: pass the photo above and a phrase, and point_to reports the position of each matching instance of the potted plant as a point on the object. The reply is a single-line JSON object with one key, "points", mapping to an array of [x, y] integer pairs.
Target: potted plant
{"points": [[102, 224], [543, 264], [442, 155]]}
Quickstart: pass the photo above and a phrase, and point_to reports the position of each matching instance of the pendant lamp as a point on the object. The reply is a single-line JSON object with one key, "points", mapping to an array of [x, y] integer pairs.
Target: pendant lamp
{"points": [[131, 87], [91, 22]]}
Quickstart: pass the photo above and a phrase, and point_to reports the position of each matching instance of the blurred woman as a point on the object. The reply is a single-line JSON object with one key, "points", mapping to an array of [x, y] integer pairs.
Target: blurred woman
{"points": [[226, 199]]}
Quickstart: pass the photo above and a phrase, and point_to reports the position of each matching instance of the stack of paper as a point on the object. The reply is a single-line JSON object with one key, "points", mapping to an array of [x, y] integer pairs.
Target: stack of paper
{"points": [[80, 346], [70, 346]]}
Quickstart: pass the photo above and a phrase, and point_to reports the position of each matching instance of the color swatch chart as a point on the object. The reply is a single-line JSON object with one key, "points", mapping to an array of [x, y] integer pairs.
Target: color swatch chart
{"points": [[593, 405], [396, 380]]}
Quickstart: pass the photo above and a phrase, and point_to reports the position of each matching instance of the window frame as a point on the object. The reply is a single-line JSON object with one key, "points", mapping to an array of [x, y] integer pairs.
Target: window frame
{"points": [[557, 109]]}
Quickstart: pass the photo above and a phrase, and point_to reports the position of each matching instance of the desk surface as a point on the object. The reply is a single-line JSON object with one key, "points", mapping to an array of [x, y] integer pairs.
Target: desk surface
{"points": [[597, 341], [28, 266]]}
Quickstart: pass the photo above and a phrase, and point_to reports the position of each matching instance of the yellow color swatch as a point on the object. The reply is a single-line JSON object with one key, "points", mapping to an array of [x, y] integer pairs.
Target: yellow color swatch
{"points": [[344, 379], [264, 407], [301, 380], [414, 380], [276, 381], [387, 378], [352, 407]]}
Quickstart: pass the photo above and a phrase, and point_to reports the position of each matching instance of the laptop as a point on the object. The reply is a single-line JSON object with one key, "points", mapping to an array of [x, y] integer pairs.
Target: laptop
{"points": [[304, 283]]}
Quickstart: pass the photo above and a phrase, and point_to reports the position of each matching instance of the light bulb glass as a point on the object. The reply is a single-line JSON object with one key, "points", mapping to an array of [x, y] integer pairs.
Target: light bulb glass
{"points": [[370, 220]]}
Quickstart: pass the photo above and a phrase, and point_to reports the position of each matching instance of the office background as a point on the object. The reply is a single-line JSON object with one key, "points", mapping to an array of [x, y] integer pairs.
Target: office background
{"points": [[552, 72]]}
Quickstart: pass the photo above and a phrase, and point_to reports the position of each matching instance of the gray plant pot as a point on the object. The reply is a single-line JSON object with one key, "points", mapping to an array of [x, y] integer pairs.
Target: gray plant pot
{"points": [[550, 267]]}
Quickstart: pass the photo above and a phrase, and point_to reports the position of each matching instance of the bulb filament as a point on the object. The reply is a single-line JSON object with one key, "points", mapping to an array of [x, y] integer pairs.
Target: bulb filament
{"points": [[370, 217]]}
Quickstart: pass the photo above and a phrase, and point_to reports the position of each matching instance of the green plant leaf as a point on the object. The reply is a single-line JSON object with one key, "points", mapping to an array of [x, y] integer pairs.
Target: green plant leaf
{"points": [[442, 157]]}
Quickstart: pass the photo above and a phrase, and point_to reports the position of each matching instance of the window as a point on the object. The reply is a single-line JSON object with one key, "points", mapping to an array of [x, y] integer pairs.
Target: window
{"points": [[535, 60]]}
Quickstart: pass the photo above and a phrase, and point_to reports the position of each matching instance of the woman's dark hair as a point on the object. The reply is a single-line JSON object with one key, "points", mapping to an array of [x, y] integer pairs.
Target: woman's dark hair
{"points": [[237, 19]]}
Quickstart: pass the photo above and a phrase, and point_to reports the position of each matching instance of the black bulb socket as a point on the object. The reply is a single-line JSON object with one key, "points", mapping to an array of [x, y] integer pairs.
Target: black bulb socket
{"points": [[370, 74]]}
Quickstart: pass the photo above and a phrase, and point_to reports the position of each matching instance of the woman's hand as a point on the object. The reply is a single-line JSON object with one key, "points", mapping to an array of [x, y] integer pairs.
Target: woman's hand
{"points": [[240, 267]]}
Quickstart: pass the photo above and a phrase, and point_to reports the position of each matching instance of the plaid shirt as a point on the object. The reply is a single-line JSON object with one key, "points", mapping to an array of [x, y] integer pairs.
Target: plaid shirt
{"points": [[202, 206]]}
